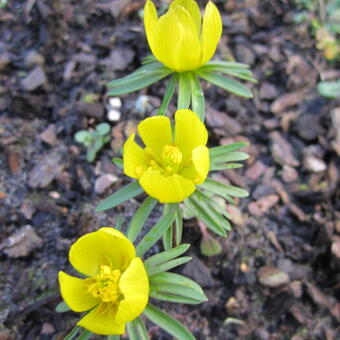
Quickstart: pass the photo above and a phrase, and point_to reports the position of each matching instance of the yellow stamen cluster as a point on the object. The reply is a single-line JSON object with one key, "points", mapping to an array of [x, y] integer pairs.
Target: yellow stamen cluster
{"points": [[105, 284], [171, 159]]}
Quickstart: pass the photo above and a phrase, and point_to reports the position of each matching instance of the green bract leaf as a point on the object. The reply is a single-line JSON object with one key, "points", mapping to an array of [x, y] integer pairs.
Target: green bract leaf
{"points": [[136, 330], [176, 288], [214, 209], [233, 156], [85, 335], [118, 162], [113, 337], [168, 94], [208, 215], [140, 217], [103, 128], [241, 73], [165, 256], [228, 84], [225, 166], [62, 307], [141, 78], [197, 97], [223, 190], [168, 323], [184, 91], [225, 64], [73, 333], [154, 234], [122, 195], [119, 222], [163, 267], [224, 149]]}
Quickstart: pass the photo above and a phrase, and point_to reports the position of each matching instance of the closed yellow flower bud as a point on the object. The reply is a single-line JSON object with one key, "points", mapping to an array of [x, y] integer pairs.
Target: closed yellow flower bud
{"points": [[181, 39], [170, 165], [116, 287]]}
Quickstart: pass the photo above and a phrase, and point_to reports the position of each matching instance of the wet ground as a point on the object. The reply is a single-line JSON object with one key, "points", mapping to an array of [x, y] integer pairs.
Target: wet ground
{"points": [[277, 276]]}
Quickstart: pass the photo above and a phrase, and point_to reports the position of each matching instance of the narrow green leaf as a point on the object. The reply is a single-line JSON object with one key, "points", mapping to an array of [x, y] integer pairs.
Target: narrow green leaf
{"points": [[225, 166], [226, 64], [85, 335], [113, 337], [169, 324], [122, 195], [167, 255], [149, 59], [62, 307], [197, 97], [119, 221], [178, 225], [205, 214], [228, 84], [136, 330], [168, 94], [154, 234], [73, 333], [172, 298], [208, 197], [233, 156], [224, 149], [223, 190], [139, 83], [118, 162], [212, 208], [139, 73], [184, 91], [176, 285], [244, 74], [163, 267], [139, 218]]}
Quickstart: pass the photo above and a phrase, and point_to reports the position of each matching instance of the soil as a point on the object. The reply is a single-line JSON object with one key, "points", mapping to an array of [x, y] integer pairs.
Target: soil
{"points": [[277, 276]]}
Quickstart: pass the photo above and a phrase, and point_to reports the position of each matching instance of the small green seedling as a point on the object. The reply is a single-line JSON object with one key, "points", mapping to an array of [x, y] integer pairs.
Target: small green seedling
{"points": [[94, 140]]}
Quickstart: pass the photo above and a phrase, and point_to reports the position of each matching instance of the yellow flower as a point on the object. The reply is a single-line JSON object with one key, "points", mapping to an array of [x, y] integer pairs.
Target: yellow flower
{"points": [[169, 167], [180, 39], [116, 288]]}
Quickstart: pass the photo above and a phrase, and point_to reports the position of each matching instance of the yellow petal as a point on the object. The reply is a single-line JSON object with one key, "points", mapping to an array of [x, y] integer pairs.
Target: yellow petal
{"points": [[190, 132], [167, 189], [201, 162], [101, 320], [198, 170], [135, 158], [211, 31], [193, 9], [150, 21], [177, 43], [106, 246], [155, 133], [74, 293], [134, 285]]}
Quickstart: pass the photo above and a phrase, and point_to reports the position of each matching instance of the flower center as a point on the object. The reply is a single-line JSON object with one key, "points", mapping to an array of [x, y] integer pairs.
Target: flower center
{"points": [[171, 159], [105, 284]]}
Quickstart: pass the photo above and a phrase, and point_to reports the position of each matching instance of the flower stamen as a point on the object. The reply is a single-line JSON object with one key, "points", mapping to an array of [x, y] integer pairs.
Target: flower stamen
{"points": [[105, 284]]}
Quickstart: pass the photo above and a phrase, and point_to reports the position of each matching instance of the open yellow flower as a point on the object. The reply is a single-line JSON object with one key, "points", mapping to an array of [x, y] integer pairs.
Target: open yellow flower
{"points": [[169, 167], [180, 39], [116, 288]]}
